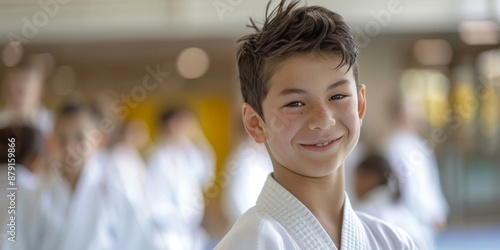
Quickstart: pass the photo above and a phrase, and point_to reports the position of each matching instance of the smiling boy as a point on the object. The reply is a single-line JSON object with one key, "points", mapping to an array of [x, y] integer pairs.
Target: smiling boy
{"points": [[299, 79]]}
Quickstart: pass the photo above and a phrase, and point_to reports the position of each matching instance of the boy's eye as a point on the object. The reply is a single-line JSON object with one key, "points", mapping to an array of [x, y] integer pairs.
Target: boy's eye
{"points": [[337, 97], [294, 104]]}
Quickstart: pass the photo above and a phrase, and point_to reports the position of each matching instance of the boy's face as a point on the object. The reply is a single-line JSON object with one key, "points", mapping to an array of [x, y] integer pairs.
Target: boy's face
{"points": [[309, 103], [73, 143]]}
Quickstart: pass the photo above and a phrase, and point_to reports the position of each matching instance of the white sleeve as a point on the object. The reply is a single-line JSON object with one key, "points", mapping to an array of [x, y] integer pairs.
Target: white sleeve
{"points": [[131, 224], [441, 207]]}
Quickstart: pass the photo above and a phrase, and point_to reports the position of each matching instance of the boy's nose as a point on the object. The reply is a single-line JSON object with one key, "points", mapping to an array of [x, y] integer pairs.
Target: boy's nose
{"points": [[321, 118]]}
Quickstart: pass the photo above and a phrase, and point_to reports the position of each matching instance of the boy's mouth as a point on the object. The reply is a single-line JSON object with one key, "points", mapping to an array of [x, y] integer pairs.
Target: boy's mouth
{"points": [[320, 147]]}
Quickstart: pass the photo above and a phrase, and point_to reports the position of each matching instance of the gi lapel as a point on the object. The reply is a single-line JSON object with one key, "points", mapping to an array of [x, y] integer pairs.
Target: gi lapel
{"points": [[353, 233], [86, 207], [301, 224], [294, 216]]}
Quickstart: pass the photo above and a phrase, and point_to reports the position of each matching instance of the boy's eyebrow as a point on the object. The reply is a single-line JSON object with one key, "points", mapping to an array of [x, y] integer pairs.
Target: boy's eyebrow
{"points": [[338, 84], [292, 91], [301, 91]]}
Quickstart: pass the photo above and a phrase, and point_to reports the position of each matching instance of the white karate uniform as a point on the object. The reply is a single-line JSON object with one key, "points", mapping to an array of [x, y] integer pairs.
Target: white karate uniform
{"points": [[94, 216], [247, 171], [177, 175], [379, 203], [281, 221], [128, 171], [25, 182], [416, 168]]}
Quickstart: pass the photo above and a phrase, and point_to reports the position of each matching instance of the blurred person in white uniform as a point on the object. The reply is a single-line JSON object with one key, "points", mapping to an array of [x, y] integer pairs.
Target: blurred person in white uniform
{"points": [[127, 161], [416, 166], [22, 92], [121, 147], [77, 208], [124, 166], [246, 171], [179, 170], [378, 193], [24, 166]]}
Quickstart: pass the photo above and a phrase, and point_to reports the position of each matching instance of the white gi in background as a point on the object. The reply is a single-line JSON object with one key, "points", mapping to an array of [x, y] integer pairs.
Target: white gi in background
{"points": [[178, 172], [128, 170], [93, 217], [280, 221], [416, 168], [379, 203], [26, 182], [247, 171]]}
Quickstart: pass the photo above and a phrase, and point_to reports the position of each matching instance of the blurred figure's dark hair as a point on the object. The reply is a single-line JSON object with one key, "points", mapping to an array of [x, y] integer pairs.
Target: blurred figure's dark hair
{"points": [[379, 166], [28, 143], [73, 108], [168, 114]]}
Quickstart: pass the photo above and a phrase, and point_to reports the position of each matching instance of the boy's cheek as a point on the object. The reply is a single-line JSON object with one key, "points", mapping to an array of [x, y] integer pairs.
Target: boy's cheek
{"points": [[351, 122], [281, 125], [352, 116], [275, 124]]}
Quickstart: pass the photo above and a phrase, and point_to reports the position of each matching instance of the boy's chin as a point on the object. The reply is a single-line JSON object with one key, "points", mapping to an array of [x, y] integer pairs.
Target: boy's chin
{"points": [[318, 172]]}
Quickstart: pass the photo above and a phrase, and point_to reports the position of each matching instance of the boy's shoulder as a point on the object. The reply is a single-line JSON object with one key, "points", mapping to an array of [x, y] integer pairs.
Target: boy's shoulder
{"points": [[385, 236], [254, 230]]}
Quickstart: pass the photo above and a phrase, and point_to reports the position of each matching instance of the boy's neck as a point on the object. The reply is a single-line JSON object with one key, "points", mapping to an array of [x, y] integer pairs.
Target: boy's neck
{"points": [[323, 196]]}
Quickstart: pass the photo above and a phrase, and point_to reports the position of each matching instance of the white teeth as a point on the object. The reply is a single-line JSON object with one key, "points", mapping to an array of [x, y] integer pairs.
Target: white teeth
{"points": [[322, 144]]}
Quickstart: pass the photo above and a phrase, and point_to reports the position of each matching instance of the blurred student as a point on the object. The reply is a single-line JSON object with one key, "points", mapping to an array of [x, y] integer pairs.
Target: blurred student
{"points": [[77, 209], [23, 90], [126, 160], [178, 172], [246, 171], [378, 193], [416, 166], [24, 166], [121, 147]]}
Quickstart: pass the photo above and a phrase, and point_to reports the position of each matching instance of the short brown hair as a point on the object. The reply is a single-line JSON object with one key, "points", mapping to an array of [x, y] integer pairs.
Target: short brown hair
{"points": [[286, 31], [28, 143]]}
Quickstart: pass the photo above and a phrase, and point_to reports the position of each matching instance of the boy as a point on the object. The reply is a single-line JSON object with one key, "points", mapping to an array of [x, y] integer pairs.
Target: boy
{"points": [[299, 80]]}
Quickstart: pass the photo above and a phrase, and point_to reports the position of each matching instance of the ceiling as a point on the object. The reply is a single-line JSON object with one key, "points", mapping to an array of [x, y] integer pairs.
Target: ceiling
{"points": [[89, 21]]}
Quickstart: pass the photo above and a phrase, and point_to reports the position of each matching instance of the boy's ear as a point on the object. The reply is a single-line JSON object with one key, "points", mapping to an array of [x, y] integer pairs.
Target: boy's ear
{"points": [[252, 123], [361, 102]]}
